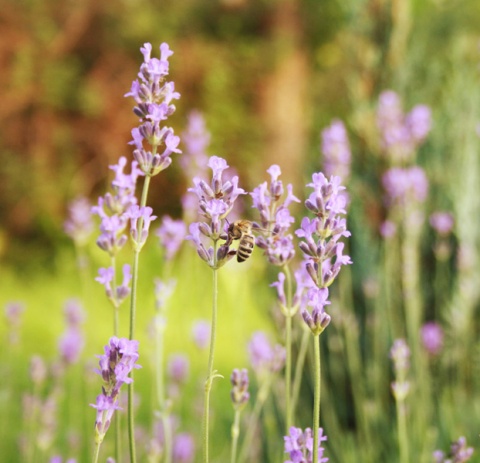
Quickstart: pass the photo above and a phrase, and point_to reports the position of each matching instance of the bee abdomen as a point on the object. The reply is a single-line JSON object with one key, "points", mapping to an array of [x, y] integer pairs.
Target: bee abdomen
{"points": [[245, 248]]}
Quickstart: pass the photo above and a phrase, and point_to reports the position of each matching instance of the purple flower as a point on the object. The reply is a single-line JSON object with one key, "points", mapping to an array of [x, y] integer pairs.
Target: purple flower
{"points": [[459, 453], [201, 333], [388, 229], [263, 356], [154, 95], [183, 448], [172, 234], [432, 337], [239, 393], [71, 345], [400, 355], [401, 134], [336, 150], [74, 313], [321, 247], [105, 406], [299, 446], [196, 139], [38, 370], [13, 318], [318, 320], [79, 224], [405, 185], [216, 200], [275, 218], [442, 222], [140, 219], [178, 368], [106, 277]]}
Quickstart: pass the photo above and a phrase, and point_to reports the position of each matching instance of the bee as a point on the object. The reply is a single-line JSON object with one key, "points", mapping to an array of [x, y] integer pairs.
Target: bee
{"points": [[242, 230]]}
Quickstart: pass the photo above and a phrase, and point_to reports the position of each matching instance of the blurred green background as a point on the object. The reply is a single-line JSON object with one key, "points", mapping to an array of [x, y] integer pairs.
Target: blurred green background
{"points": [[268, 75]]}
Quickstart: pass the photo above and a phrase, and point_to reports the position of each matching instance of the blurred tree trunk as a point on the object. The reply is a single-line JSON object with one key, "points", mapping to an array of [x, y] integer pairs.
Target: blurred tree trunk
{"points": [[283, 100]]}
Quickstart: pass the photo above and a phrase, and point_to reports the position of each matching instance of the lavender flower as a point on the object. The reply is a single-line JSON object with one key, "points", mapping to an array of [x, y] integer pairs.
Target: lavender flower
{"points": [[442, 222], [178, 368], [113, 208], [116, 364], [13, 318], [336, 150], [239, 393], [403, 186], [400, 355], [299, 446], [432, 338], [183, 448], [201, 333], [401, 134], [153, 96], [79, 224], [322, 234], [264, 357], [106, 276], [38, 370], [318, 320], [72, 342], [140, 220], [216, 200], [171, 234], [459, 453], [275, 218], [196, 139]]}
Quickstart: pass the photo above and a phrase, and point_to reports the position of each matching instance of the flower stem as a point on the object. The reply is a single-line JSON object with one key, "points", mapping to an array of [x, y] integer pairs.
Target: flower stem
{"points": [[288, 345], [402, 431], [96, 451], [316, 397], [235, 434], [302, 354], [211, 373], [133, 302]]}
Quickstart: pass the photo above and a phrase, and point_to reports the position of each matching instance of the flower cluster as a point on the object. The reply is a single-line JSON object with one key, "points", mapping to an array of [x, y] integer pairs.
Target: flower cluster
{"points": [[299, 446], [400, 355], [79, 224], [113, 209], [264, 357], [401, 134], [432, 338], [153, 96], [404, 185], [459, 453], [321, 235], [336, 150], [171, 234], [116, 294], [275, 218], [442, 222], [116, 364], [216, 200], [72, 341], [239, 393]]}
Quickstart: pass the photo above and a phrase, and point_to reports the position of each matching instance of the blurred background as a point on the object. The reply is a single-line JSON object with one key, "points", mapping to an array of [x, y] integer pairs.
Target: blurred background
{"points": [[268, 77]]}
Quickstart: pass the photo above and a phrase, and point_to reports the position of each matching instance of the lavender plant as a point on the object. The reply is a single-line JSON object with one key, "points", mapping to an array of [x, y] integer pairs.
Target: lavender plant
{"points": [[215, 201]]}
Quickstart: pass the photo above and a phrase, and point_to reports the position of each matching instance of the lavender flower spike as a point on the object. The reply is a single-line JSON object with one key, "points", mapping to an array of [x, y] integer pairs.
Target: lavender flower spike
{"points": [[318, 320], [154, 96], [239, 393], [119, 359], [299, 446]]}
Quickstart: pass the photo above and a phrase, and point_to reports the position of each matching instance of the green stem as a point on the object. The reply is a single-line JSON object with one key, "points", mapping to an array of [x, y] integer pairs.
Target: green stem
{"points": [[288, 346], [161, 391], [235, 434], [133, 301], [210, 377], [96, 452], [254, 416], [297, 380], [316, 397], [402, 431]]}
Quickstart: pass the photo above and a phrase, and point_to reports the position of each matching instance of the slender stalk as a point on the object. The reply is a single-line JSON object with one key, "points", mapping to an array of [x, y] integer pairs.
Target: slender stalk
{"points": [[254, 416], [167, 434], [235, 434], [211, 373], [96, 451], [402, 431], [133, 302], [316, 397], [297, 380], [288, 345]]}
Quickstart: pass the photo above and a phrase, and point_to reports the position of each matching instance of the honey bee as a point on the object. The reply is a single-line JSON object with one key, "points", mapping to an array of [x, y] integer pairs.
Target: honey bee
{"points": [[242, 230]]}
